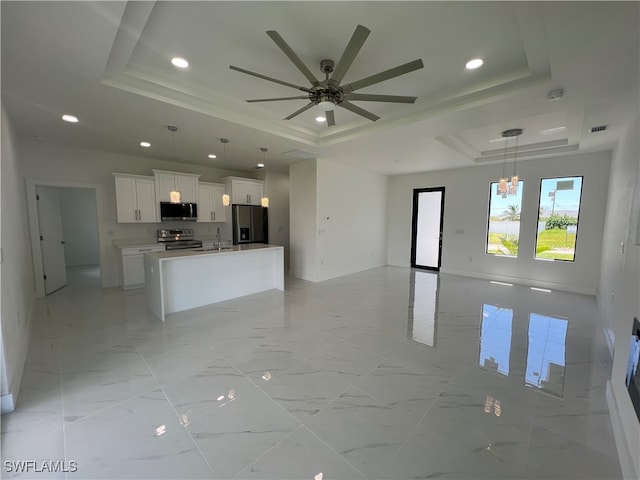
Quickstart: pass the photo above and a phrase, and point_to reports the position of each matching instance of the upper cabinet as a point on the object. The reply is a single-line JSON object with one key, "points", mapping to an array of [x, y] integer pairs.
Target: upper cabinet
{"points": [[135, 199], [244, 190], [185, 183], [210, 208]]}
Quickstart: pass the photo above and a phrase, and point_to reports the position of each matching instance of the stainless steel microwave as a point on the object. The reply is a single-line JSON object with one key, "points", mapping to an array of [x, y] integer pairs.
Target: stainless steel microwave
{"points": [[178, 211]]}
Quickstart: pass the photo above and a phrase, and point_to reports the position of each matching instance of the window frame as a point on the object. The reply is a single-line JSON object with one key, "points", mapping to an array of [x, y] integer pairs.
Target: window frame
{"points": [[575, 247], [492, 186]]}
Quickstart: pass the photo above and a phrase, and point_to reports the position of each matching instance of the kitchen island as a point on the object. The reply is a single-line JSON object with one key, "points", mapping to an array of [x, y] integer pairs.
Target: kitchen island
{"points": [[179, 280]]}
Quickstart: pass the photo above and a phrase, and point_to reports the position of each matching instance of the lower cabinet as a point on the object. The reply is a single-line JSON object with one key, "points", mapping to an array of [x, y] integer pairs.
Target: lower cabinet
{"points": [[132, 266]]}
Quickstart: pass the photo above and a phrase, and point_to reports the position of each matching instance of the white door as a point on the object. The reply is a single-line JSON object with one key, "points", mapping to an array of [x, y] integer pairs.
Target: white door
{"points": [[52, 243], [426, 241]]}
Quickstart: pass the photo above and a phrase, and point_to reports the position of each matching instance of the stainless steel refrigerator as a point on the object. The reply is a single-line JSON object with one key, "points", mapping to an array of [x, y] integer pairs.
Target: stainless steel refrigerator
{"points": [[250, 224]]}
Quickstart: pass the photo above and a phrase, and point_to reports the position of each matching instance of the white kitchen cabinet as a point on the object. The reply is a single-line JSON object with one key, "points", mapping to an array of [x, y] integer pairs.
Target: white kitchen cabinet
{"points": [[132, 265], [244, 190], [135, 199], [210, 208], [185, 183]]}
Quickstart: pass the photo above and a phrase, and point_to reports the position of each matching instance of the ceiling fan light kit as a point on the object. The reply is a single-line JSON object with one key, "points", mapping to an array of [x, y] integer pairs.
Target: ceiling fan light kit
{"points": [[330, 93]]}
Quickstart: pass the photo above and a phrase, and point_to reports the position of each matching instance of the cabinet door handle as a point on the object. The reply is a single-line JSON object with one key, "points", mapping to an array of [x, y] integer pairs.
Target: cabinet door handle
{"points": [[145, 249], [213, 216]]}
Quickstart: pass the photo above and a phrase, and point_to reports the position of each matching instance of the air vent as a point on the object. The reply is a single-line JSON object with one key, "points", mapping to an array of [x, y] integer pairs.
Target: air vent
{"points": [[600, 128]]}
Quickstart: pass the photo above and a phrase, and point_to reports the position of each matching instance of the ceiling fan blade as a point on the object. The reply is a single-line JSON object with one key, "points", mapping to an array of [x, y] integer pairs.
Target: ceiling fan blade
{"points": [[298, 112], [353, 47], [382, 76], [331, 119], [364, 97], [360, 111], [275, 36], [264, 77], [306, 97]]}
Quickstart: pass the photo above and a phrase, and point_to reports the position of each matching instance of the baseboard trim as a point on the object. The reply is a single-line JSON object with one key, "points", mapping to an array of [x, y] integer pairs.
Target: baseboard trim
{"points": [[624, 454], [521, 281]]}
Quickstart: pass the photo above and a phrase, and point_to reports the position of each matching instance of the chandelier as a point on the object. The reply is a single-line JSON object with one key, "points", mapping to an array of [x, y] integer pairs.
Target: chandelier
{"points": [[509, 186]]}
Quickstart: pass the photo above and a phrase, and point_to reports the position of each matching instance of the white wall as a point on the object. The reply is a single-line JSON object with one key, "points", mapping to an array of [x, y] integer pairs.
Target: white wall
{"points": [[465, 222], [619, 288], [276, 187], [16, 270], [351, 219], [338, 217], [79, 226], [53, 163], [302, 218]]}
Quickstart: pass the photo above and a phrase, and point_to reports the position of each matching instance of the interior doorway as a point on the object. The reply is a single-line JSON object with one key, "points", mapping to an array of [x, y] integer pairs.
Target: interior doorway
{"points": [[65, 234], [426, 228]]}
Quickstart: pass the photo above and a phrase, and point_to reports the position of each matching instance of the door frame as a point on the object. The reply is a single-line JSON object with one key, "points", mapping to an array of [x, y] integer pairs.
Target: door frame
{"points": [[34, 225], [414, 226]]}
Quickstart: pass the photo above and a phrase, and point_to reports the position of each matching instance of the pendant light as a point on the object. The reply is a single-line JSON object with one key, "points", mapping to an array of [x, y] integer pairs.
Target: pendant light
{"points": [[174, 195], [509, 186], [226, 200], [264, 201]]}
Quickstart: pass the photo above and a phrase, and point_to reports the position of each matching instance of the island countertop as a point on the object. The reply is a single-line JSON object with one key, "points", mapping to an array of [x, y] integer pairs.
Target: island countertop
{"points": [[193, 252]]}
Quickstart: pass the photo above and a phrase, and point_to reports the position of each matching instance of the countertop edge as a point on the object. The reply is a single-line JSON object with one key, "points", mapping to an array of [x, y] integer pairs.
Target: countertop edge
{"points": [[191, 253]]}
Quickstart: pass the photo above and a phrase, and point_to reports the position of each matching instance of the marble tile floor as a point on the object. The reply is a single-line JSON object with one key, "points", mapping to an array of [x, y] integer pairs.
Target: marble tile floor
{"points": [[385, 374]]}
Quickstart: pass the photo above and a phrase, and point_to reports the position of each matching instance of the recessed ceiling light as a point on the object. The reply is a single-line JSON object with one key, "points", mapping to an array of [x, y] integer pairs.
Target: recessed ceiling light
{"points": [[261, 165], [145, 144], [211, 155], [474, 63], [70, 118], [179, 62], [320, 119]]}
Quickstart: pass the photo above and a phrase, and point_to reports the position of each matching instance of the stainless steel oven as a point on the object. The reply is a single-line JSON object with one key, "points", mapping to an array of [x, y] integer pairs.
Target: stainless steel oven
{"points": [[177, 238]]}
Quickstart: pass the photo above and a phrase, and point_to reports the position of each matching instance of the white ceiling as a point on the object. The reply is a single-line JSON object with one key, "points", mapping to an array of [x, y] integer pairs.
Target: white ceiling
{"points": [[109, 64]]}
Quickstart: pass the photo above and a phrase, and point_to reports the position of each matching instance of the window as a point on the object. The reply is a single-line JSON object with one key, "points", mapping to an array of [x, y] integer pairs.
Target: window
{"points": [[558, 213], [503, 233]]}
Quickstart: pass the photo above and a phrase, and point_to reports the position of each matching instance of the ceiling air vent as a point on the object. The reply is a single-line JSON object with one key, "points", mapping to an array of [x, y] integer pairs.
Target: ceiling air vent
{"points": [[599, 128]]}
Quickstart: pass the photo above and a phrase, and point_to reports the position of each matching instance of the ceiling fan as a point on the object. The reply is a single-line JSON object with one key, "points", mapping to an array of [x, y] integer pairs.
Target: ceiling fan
{"points": [[329, 93]]}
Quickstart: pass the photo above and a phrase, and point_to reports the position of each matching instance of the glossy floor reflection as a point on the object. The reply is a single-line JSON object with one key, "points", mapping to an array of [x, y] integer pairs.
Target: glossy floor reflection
{"points": [[384, 374]]}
